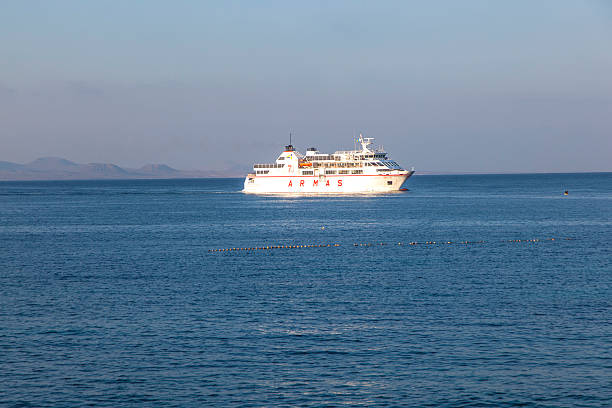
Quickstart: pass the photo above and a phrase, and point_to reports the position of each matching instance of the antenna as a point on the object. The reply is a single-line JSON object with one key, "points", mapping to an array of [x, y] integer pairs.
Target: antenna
{"points": [[289, 147]]}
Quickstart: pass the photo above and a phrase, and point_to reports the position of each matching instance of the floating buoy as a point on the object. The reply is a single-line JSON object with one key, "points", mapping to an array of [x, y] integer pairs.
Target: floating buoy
{"points": [[369, 244]]}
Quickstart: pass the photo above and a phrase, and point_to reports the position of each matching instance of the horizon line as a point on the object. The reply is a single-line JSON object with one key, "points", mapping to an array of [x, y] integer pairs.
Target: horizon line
{"points": [[234, 177]]}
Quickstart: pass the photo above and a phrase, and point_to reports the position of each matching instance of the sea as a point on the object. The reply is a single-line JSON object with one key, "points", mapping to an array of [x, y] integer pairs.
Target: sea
{"points": [[464, 291]]}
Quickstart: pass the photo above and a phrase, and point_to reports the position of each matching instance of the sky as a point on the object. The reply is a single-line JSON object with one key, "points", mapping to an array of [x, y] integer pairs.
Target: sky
{"points": [[444, 86]]}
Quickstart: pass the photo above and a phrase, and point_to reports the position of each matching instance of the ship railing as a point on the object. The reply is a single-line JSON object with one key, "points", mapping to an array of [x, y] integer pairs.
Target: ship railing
{"points": [[322, 157], [349, 152], [268, 166]]}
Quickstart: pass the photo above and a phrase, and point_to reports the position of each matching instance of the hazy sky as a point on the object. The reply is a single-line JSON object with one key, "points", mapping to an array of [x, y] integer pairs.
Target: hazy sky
{"points": [[443, 85]]}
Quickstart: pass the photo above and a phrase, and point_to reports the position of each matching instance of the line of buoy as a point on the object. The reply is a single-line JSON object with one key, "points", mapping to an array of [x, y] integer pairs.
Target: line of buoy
{"points": [[369, 244]]}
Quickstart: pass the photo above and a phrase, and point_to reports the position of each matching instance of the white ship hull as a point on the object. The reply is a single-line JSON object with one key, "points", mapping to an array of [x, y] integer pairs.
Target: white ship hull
{"points": [[337, 184]]}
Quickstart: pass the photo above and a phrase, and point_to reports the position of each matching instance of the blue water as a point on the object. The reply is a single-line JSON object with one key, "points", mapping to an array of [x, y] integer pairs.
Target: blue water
{"points": [[109, 295]]}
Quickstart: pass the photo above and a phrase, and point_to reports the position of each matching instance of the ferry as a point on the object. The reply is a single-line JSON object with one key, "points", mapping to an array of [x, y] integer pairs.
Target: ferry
{"points": [[368, 170]]}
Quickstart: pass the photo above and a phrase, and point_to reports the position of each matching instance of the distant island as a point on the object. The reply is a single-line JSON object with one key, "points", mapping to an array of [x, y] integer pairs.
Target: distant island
{"points": [[56, 168]]}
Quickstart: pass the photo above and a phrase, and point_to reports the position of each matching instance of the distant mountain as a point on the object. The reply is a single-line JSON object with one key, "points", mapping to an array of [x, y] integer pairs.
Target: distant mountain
{"points": [[56, 168], [158, 169], [105, 169], [52, 163], [8, 166]]}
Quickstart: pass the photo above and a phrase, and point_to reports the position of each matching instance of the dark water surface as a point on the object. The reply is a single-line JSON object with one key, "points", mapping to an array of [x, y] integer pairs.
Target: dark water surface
{"points": [[109, 295]]}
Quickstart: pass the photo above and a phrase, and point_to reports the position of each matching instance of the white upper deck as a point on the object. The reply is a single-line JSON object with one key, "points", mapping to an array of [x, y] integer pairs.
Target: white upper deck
{"points": [[367, 160]]}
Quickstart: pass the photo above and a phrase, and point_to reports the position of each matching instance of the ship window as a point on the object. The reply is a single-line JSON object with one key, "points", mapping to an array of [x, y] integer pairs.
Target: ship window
{"points": [[357, 171], [330, 171], [343, 172], [389, 183], [307, 172], [267, 166]]}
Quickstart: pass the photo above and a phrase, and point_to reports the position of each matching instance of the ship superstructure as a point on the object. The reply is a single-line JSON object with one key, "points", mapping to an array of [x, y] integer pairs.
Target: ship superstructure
{"points": [[368, 170]]}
